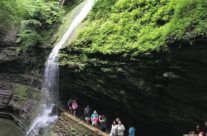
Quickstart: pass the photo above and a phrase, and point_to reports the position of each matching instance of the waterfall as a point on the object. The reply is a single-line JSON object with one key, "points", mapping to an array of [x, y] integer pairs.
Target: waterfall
{"points": [[48, 108]]}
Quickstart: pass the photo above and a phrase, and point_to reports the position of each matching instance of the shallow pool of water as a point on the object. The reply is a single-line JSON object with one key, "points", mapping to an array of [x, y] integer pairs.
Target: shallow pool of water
{"points": [[9, 128]]}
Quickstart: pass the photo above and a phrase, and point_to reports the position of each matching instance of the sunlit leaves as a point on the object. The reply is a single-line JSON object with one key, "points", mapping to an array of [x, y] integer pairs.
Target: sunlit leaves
{"points": [[141, 26]]}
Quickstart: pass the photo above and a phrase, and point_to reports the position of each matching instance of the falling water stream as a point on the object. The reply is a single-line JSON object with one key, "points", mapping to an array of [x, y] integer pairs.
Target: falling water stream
{"points": [[48, 114]]}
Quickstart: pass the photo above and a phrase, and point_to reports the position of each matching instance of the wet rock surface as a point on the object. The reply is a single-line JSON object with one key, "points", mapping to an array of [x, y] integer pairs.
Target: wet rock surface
{"points": [[20, 82], [161, 94]]}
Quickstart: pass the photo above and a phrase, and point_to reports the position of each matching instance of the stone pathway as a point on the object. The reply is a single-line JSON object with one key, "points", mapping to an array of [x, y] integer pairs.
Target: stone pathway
{"points": [[81, 122], [69, 125]]}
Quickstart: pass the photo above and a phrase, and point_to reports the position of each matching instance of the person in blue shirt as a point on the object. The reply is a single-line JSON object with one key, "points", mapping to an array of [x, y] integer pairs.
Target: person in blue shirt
{"points": [[131, 131], [94, 119]]}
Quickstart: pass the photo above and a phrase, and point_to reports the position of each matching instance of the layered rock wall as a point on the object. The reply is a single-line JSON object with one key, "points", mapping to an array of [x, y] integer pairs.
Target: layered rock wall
{"points": [[20, 82], [161, 94]]}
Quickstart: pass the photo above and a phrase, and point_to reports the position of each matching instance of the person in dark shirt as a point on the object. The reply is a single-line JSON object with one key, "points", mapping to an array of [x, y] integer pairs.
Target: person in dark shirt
{"points": [[87, 114], [103, 123], [70, 101]]}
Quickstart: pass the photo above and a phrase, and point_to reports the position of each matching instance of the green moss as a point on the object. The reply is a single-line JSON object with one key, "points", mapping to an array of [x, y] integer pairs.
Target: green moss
{"points": [[129, 28], [189, 19], [24, 93]]}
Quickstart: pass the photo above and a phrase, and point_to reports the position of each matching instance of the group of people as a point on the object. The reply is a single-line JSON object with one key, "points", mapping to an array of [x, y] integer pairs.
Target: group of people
{"points": [[95, 119], [118, 129], [200, 130], [100, 121]]}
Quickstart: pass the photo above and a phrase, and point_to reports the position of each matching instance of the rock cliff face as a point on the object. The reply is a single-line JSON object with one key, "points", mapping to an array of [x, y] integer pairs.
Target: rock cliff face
{"points": [[161, 94], [20, 82]]}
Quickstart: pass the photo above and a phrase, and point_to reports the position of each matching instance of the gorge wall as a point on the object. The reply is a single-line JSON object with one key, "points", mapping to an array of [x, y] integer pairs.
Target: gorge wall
{"points": [[20, 81], [160, 94], [163, 93]]}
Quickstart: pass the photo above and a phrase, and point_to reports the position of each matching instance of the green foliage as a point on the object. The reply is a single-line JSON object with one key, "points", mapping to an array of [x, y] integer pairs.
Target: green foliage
{"points": [[189, 20], [24, 93], [9, 12], [46, 13], [131, 27], [28, 38], [41, 16], [33, 16]]}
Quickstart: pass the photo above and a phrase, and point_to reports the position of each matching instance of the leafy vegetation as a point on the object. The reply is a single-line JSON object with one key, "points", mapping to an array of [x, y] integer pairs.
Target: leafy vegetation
{"points": [[10, 11], [35, 18], [133, 27], [42, 17], [114, 27]]}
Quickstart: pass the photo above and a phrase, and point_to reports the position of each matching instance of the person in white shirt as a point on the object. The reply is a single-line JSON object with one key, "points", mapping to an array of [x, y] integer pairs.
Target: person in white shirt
{"points": [[120, 129], [113, 129]]}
